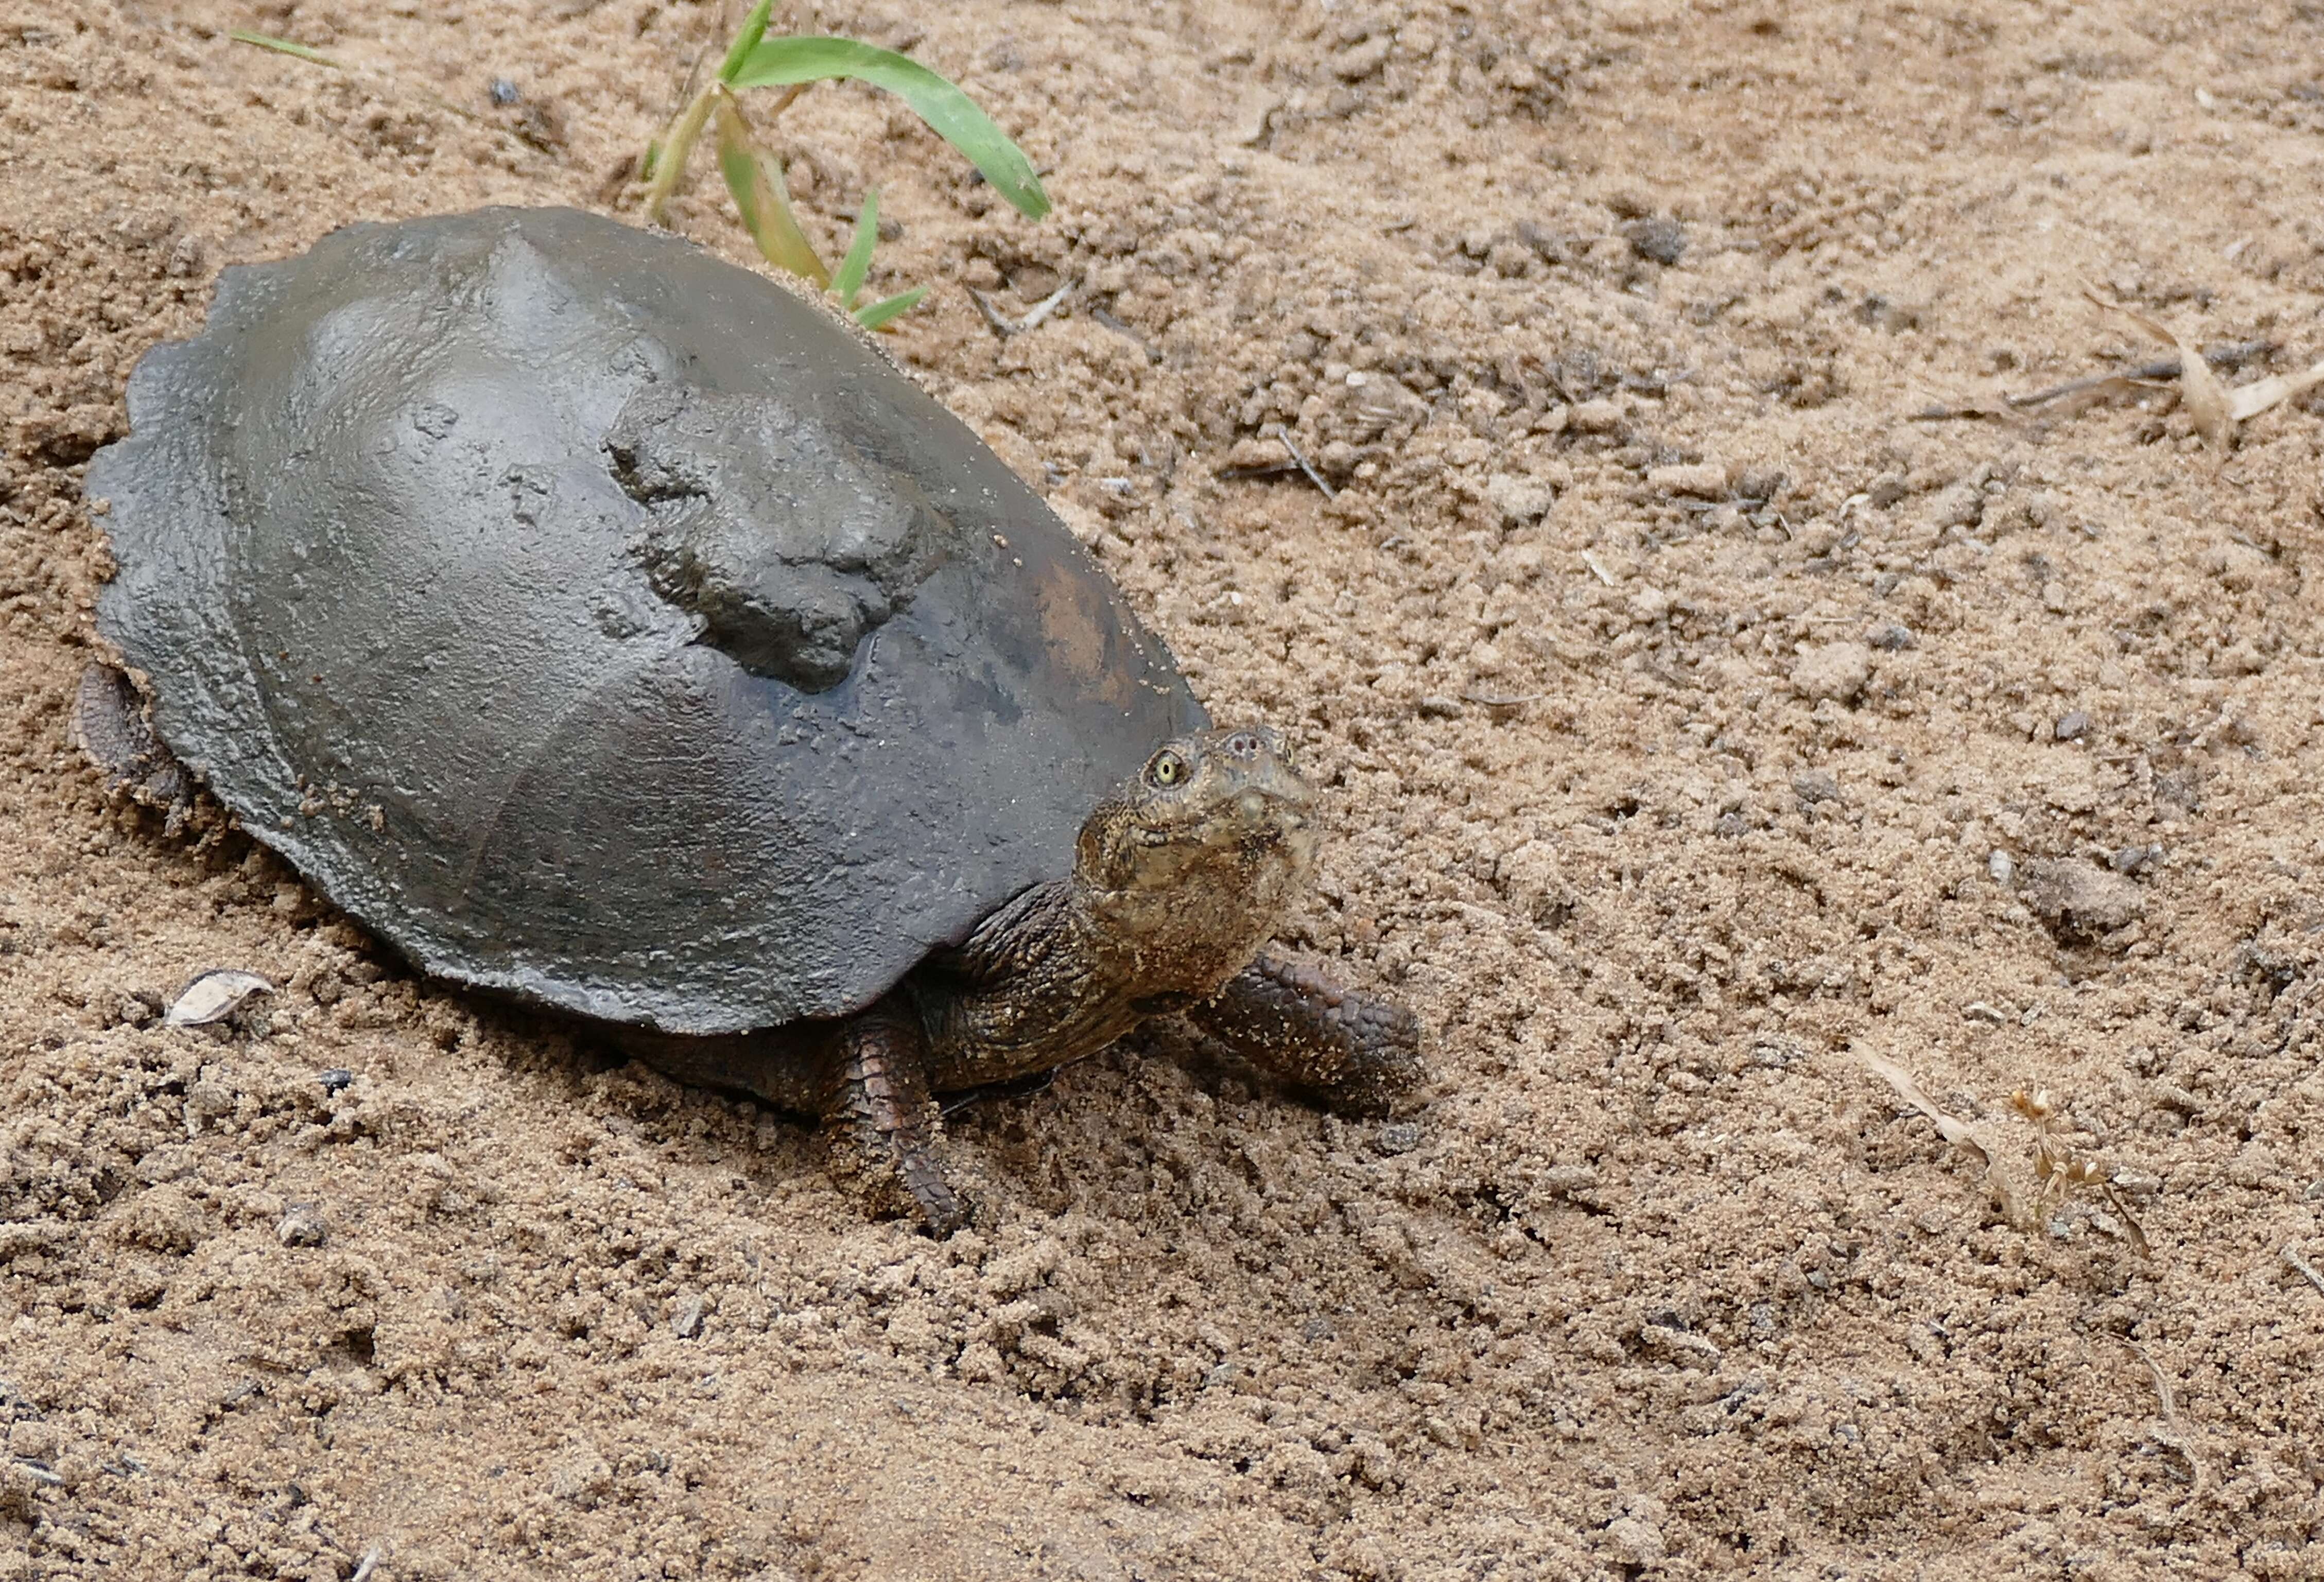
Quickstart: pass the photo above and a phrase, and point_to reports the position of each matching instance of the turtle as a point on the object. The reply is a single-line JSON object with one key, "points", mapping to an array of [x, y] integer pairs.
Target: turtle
{"points": [[606, 627]]}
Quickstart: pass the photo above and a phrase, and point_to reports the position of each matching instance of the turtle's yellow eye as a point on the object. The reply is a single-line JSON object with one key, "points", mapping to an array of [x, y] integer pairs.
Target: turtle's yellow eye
{"points": [[1166, 769]]}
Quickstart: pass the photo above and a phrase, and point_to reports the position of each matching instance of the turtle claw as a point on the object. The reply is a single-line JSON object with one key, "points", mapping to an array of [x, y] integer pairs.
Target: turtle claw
{"points": [[942, 1210]]}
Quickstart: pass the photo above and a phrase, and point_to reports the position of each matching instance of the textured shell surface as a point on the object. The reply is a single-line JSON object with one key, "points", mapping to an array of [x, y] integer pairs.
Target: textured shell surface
{"points": [[604, 624]]}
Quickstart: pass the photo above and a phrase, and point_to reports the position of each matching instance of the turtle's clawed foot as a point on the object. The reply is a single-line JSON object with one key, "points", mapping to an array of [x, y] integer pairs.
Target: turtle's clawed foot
{"points": [[879, 1107], [1355, 1053]]}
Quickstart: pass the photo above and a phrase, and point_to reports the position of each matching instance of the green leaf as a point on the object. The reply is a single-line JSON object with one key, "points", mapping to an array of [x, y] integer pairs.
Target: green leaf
{"points": [[756, 180], [754, 28], [879, 313], [852, 268], [949, 112], [284, 47]]}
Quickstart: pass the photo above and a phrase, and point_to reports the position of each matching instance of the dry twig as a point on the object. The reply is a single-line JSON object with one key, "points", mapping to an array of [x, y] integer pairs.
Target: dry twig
{"points": [[1002, 326], [2161, 372], [1284, 435], [1047, 305], [2172, 1435], [2215, 409]]}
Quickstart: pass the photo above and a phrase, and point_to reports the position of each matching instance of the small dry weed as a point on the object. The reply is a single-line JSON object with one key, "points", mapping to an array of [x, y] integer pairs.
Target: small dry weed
{"points": [[2061, 1169]]}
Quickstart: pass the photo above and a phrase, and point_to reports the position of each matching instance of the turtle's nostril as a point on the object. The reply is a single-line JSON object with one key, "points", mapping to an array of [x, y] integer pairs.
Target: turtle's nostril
{"points": [[1243, 744]]}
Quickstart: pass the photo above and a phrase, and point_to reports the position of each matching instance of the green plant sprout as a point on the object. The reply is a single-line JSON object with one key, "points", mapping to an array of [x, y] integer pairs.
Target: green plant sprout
{"points": [[755, 177], [285, 47]]}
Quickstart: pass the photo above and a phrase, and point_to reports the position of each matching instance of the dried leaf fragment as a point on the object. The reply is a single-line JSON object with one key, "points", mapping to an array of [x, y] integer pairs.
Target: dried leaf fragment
{"points": [[2251, 399], [1960, 1133], [214, 996], [2199, 390]]}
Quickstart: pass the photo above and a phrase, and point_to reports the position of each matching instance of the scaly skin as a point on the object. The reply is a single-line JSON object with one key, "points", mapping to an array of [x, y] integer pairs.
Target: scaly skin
{"points": [[1356, 1053], [109, 723], [1180, 876]]}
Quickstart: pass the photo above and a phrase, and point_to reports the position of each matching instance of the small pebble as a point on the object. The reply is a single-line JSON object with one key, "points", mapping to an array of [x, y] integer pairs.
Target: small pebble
{"points": [[504, 92], [2070, 727], [1398, 1137], [686, 1323], [1598, 416], [1649, 604], [1439, 708], [337, 1080], [303, 1224], [1519, 499], [1659, 240], [2002, 866], [1834, 670], [1893, 638], [1960, 506], [2082, 901], [1814, 786], [1635, 1545], [1703, 480]]}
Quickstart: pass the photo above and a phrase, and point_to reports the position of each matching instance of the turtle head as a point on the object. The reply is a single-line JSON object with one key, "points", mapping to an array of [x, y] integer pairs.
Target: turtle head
{"points": [[1197, 858]]}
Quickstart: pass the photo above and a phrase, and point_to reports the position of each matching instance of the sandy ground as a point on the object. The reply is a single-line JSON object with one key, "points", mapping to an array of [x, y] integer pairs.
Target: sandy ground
{"points": [[1697, 721]]}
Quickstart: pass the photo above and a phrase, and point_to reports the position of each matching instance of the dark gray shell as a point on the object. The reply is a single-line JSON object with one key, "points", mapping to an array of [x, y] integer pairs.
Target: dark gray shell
{"points": [[602, 623]]}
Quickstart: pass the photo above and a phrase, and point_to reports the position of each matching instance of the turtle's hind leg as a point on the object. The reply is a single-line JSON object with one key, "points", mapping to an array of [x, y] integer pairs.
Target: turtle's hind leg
{"points": [[109, 723], [878, 1096], [1354, 1053]]}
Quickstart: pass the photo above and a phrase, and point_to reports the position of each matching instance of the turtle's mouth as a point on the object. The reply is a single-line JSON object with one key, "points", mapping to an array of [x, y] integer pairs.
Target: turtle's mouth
{"points": [[1258, 829], [1268, 821], [1214, 814], [1252, 831]]}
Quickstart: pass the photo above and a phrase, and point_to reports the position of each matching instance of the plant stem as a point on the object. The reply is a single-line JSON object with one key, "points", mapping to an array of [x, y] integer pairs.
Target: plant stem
{"points": [[669, 152], [670, 163]]}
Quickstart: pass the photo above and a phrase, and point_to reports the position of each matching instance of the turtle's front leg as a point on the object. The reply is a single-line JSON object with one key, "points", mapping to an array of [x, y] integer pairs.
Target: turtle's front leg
{"points": [[877, 1091], [109, 723], [1354, 1053]]}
